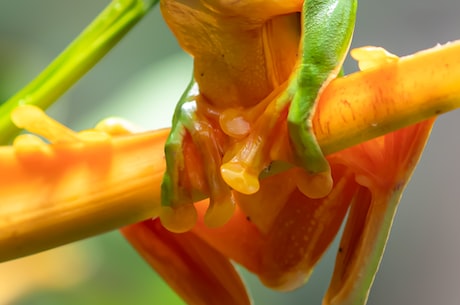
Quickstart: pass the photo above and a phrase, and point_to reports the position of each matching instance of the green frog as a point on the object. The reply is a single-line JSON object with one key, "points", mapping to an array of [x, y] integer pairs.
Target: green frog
{"points": [[259, 67]]}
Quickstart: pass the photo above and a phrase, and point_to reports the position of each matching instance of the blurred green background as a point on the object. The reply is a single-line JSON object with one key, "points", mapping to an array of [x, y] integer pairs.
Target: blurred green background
{"points": [[141, 80]]}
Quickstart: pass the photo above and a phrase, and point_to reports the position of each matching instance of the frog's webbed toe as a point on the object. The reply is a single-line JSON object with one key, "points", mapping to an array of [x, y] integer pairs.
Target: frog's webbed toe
{"points": [[270, 139], [193, 156]]}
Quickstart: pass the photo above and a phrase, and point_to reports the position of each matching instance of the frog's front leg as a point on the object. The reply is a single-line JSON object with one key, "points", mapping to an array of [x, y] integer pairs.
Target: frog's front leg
{"points": [[327, 27], [327, 32], [194, 137]]}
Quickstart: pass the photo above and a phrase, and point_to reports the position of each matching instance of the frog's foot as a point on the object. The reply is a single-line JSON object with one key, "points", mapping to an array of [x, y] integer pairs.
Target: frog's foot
{"points": [[316, 179], [189, 172], [178, 219], [193, 157], [241, 171], [316, 185], [177, 212], [254, 150], [267, 141], [237, 122]]}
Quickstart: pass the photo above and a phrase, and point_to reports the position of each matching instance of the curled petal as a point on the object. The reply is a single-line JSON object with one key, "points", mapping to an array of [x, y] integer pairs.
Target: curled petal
{"points": [[279, 233], [383, 167], [196, 271]]}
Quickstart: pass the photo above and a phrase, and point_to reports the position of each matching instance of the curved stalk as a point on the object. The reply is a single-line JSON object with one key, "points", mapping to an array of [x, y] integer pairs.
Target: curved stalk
{"points": [[59, 193]]}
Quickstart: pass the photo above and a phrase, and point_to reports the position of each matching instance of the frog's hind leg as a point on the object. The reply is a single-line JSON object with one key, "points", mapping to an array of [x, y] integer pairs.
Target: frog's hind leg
{"points": [[264, 142], [209, 141], [177, 211], [193, 157]]}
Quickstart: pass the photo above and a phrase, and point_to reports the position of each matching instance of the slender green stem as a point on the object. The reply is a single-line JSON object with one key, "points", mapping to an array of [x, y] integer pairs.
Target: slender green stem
{"points": [[77, 59]]}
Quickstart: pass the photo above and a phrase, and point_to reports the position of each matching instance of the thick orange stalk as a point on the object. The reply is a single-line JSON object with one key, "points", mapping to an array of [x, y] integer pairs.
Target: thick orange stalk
{"points": [[373, 102], [63, 192], [55, 194]]}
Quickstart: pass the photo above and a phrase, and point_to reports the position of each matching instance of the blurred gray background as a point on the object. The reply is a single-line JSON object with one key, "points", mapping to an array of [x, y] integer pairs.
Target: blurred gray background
{"points": [[141, 80]]}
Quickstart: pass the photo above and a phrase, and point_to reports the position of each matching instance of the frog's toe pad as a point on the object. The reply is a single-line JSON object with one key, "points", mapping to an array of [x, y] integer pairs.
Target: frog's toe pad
{"points": [[234, 124], [219, 211], [178, 219], [239, 177], [316, 185]]}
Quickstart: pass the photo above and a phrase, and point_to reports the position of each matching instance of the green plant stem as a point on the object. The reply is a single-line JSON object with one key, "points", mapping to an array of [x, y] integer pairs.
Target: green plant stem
{"points": [[77, 59]]}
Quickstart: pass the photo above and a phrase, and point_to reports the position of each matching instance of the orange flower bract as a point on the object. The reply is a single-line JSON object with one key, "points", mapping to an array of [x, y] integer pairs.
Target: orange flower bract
{"points": [[280, 234], [277, 233]]}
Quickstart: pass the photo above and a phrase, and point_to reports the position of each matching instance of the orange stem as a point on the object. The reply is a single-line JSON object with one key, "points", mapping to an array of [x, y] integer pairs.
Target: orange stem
{"points": [[66, 192]]}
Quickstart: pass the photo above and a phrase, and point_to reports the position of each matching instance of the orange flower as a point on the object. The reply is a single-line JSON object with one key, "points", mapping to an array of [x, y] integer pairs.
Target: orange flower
{"points": [[280, 234], [277, 233]]}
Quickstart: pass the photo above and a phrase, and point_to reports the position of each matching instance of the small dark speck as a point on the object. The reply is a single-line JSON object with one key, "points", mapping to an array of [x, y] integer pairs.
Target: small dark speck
{"points": [[268, 168], [437, 111], [340, 249], [202, 74], [248, 218], [398, 186]]}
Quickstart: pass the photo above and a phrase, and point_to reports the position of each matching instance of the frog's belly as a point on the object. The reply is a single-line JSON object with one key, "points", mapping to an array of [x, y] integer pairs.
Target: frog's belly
{"points": [[225, 85], [241, 70]]}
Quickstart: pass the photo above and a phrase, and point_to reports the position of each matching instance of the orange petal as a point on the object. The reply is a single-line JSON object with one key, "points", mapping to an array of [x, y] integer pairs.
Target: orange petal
{"points": [[239, 239], [361, 248], [383, 167], [302, 232], [278, 233], [196, 271]]}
